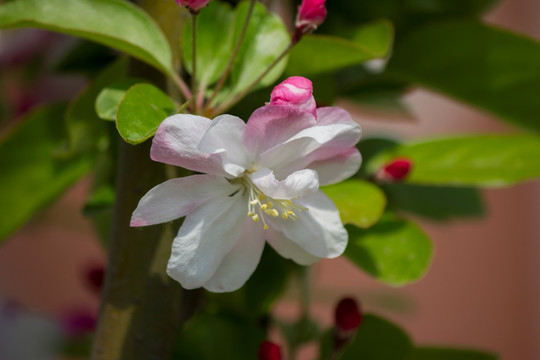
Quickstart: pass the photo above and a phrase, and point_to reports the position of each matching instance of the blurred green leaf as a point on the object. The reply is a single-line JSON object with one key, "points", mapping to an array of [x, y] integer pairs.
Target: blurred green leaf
{"points": [[86, 57], [394, 251], [430, 353], [434, 202], [141, 112], [86, 131], [266, 38], [378, 339], [214, 42], [113, 23], [370, 148], [359, 202], [219, 336], [33, 174], [480, 160], [111, 96], [316, 54], [484, 66]]}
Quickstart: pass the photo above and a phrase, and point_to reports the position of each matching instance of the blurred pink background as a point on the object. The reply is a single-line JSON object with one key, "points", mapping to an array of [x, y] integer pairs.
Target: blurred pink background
{"points": [[482, 291]]}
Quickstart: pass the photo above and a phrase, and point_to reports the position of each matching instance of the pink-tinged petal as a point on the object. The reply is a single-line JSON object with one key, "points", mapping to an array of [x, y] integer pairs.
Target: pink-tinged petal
{"points": [[300, 183], [241, 261], [317, 230], [311, 14], [338, 167], [206, 237], [296, 152], [289, 249], [334, 115], [178, 197], [176, 142], [224, 138], [271, 125], [296, 91]]}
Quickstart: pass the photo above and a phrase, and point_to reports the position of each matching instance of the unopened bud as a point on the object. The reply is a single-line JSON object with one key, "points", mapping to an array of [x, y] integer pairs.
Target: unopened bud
{"points": [[311, 14], [347, 316], [395, 170], [193, 5], [94, 278], [269, 351], [296, 91], [78, 323]]}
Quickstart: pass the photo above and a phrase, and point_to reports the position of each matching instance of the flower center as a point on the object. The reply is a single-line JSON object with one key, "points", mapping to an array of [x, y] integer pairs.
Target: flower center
{"points": [[260, 205]]}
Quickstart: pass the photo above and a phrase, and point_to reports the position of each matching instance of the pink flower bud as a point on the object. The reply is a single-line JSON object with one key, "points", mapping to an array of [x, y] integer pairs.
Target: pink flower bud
{"points": [[347, 316], [311, 14], [194, 5], [395, 170], [269, 351], [296, 91], [78, 322]]}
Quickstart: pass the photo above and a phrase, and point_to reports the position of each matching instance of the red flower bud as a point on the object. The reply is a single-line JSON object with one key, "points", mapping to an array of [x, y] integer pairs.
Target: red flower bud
{"points": [[194, 5], [269, 351], [395, 170], [94, 277], [311, 14], [347, 316], [78, 322]]}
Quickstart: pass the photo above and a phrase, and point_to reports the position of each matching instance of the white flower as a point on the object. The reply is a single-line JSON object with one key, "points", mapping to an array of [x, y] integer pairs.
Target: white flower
{"points": [[260, 183]]}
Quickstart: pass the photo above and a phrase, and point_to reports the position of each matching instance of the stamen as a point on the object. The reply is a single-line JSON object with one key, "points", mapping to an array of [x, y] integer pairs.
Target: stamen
{"points": [[255, 218]]}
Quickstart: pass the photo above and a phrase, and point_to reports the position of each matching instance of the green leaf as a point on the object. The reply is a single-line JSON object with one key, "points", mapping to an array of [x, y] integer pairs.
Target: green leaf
{"points": [[370, 148], [111, 96], [214, 42], [219, 336], [141, 112], [86, 131], [33, 174], [266, 38], [394, 251], [481, 160], [359, 202], [378, 339], [434, 202], [430, 353], [113, 23], [484, 66], [316, 54]]}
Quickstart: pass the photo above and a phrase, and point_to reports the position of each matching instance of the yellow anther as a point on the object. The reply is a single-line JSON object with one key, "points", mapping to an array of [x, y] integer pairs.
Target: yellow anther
{"points": [[264, 206], [255, 218], [251, 213], [274, 213], [253, 202], [284, 215], [269, 203], [291, 213], [265, 227]]}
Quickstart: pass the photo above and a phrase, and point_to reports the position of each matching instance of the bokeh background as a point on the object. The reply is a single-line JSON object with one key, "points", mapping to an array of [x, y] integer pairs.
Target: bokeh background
{"points": [[483, 288]]}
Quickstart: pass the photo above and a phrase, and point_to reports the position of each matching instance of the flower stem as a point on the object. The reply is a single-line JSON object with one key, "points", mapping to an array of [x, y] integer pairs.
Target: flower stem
{"points": [[181, 86], [228, 69], [194, 17], [231, 102]]}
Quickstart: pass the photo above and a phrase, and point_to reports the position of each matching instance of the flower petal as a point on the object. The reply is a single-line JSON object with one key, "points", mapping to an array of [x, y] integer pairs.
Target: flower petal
{"points": [[289, 249], [224, 137], [241, 261], [271, 125], [177, 197], [336, 168], [318, 230], [176, 143], [299, 183], [205, 238]]}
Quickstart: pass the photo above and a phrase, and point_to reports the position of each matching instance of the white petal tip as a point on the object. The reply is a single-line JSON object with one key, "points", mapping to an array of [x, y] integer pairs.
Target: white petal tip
{"points": [[137, 223]]}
